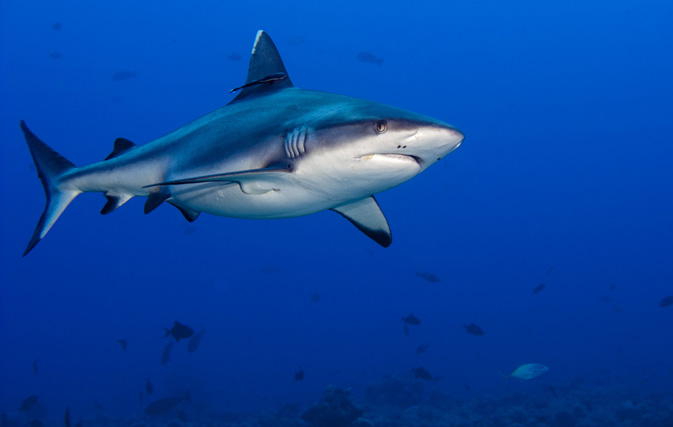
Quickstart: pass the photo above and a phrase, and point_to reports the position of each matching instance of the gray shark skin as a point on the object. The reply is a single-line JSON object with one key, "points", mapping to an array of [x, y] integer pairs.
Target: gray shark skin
{"points": [[275, 151]]}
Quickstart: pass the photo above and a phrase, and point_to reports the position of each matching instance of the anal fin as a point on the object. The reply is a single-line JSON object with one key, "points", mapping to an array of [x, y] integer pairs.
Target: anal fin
{"points": [[367, 216], [114, 201]]}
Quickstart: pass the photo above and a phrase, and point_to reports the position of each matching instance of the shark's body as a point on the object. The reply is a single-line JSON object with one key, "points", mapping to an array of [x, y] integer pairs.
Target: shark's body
{"points": [[275, 151]]}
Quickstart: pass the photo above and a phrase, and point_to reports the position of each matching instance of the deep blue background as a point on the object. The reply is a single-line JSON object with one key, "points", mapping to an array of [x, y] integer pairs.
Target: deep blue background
{"points": [[567, 108]]}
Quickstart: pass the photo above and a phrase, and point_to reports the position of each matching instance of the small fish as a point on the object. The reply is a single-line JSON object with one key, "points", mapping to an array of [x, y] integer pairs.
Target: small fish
{"points": [[528, 371], [474, 329], [432, 278], [606, 299], [406, 329], [140, 397], [369, 58], [28, 403], [55, 55], [234, 56], [270, 79], [422, 374], [123, 343], [194, 342], [179, 331], [66, 417], [98, 405], [56, 26], [166, 354], [549, 270], [315, 297], [422, 348], [411, 320], [123, 75], [164, 405], [35, 367], [539, 288], [299, 375], [148, 387], [613, 287], [666, 302]]}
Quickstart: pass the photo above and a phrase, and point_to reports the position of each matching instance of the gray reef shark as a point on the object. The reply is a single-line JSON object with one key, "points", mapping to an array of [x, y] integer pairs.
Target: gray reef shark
{"points": [[275, 151]]}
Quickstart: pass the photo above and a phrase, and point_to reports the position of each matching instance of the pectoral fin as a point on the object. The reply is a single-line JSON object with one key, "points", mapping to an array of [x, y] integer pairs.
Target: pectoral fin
{"points": [[367, 216]]}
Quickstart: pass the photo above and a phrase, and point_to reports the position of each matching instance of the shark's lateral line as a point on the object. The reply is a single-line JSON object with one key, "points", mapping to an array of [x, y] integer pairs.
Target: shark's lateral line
{"points": [[275, 151]]}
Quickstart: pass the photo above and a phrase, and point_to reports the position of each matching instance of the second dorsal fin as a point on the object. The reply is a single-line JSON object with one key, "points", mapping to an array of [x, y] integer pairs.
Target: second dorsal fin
{"points": [[121, 146], [265, 62]]}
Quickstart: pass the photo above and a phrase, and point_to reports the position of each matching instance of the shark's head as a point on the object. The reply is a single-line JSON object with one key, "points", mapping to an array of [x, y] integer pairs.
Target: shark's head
{"points": [[373, 146]]}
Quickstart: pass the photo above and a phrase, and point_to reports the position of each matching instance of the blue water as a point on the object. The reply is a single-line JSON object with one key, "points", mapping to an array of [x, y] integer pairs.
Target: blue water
{"points": [[565, 178]]}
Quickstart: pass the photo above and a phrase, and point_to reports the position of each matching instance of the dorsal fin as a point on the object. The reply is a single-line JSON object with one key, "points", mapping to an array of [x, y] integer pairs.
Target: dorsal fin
{"points": [[121, 146], [265, 61]]}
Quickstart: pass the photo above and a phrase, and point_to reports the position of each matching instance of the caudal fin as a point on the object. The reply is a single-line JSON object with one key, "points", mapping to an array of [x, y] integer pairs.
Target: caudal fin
{"points": [[50, 166]]}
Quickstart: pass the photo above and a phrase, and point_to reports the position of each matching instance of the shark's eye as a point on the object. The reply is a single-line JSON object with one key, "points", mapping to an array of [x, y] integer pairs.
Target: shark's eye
{"points": [[381, 126]]}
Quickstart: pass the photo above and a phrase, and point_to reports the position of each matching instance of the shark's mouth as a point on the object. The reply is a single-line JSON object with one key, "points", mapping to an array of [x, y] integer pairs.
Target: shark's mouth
{"points": [[401, 157]]}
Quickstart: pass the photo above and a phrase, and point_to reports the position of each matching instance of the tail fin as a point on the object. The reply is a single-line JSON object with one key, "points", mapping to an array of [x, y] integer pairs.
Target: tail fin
{"points": [[50, 166]]}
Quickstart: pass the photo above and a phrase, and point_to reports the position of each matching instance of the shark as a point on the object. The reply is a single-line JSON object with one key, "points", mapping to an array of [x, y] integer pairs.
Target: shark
{"points": [[274, 151]]}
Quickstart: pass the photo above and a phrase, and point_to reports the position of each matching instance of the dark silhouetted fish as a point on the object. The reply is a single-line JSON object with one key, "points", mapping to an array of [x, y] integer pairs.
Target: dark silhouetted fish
{"points": [[606, 299], [166, 354], [369, 58], [422, 374], [549, 270], [666, 302], [551, 389], [234, 57], [55, 55], [66, 417], [28, 403], [148, 387], [140, 397], [406, 329], [56, 26], [613, 287], [194, 342], [166, 404], [123, 75], [122, 342], [422, 348], [299, 375], [315, 297], [179, 331], [35, 366], [98, 406], [539, 288], [411, 320], [432, 278], [474, 329]]}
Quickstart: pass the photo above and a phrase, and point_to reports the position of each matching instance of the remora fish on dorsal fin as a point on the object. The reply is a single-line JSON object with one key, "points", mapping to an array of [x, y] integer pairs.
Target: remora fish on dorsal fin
{"points": [[367, 216], [265, 61], [121, 146]]}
